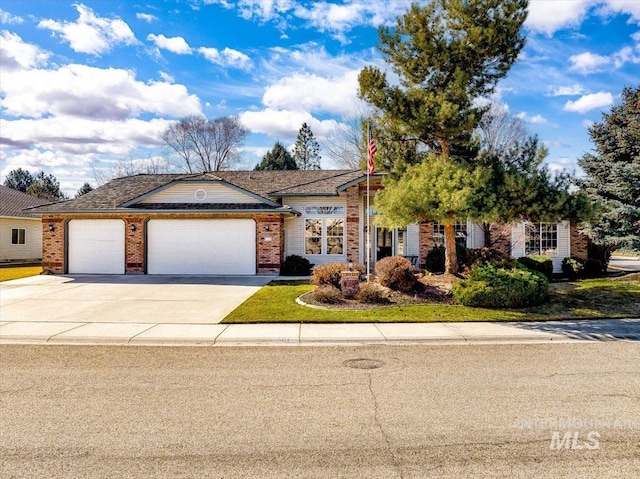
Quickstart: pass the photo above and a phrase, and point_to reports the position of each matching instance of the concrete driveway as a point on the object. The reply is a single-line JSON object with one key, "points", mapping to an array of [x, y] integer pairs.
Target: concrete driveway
{"points": [[138, 299]]}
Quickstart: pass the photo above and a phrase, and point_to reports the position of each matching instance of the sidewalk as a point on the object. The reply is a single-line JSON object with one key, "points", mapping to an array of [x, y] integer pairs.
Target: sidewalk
{"points": [[316, 334]]}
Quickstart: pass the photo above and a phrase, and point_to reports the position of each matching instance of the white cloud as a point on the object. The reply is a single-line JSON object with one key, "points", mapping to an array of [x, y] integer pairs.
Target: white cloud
{"points": [[632, 7], [536, 119], [6, 17], [626, 55], [285, 123], [310, 92], [570, 90], [264, 10], [548, 17], [147, 17], [88, 92], [79, 136], [91, 34], [167, 77], [588, 62], [15, 54], [177, 45], [589, 102], [228, 57]]}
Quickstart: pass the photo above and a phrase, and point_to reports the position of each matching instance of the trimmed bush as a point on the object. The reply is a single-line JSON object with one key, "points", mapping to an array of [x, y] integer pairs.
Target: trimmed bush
{"points": [[494, 257], [572, 268], [601, 253], [329, 273], [327, 294], [434, 262], [295, 265], [490, 287], [543, 264], [372, 293], [396, 273]]}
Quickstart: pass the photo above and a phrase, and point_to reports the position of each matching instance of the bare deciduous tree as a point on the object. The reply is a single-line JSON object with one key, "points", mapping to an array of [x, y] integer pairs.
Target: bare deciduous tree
{"points": [[133, 166], [500, 131], [346, 147], [205, 145]]}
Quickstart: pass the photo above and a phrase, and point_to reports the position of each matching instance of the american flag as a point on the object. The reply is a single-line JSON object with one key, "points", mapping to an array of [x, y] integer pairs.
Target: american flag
{"points": [[371, 151]]}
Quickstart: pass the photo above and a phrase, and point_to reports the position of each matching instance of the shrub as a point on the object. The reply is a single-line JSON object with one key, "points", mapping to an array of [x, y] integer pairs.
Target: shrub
{"points": [[602, 253], [396, 273], [434, 262], [295, 265], [372, 293], [543, 264], [593, 267], [329, 273], [494, 257], [327, 294], [491, 287], [572, 268]]}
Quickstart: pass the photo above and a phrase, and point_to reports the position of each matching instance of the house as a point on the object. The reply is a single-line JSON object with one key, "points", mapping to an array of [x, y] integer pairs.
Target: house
{"points": [[20, 231], [240, 222]]}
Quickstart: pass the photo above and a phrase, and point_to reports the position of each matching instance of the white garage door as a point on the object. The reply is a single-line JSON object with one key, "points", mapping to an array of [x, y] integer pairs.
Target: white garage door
{"points": [[201, 246], [96, 246]]}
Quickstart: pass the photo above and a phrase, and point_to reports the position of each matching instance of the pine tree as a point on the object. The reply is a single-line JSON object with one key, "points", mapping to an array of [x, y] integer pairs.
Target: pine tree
{"points": [[612, 174], [306, 150], [446, 55], [84, 189], [278, 158]]}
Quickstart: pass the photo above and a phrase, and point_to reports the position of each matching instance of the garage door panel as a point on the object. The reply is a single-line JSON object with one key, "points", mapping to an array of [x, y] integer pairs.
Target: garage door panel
{"points": [[96, 247], [201, 246]]}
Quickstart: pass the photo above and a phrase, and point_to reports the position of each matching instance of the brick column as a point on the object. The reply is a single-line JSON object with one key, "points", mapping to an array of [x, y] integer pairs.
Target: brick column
{"points": [[53, 244], [579, 243], [270, 243], [134, 244], [353, 224], [426, 242]]}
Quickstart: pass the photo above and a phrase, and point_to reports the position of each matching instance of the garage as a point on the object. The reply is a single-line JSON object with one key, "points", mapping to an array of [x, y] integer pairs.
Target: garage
{"points": [[201, 246], [96, 246]]}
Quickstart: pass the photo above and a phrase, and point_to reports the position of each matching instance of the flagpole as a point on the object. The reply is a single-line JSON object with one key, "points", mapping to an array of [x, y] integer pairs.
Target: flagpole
{"points": [[368, 222]]}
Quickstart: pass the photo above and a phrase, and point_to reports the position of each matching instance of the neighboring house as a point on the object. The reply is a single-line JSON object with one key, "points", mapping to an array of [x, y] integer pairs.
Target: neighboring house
{"points": [[232, 222], [20, 232]]}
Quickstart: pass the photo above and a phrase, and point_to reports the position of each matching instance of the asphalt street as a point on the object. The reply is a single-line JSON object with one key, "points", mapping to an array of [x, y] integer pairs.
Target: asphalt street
{"points": [[448, 411]]}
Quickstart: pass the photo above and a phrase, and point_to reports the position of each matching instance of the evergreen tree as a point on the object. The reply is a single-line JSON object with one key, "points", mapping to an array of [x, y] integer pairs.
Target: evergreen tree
{"points": [[84, 189], [446, 55], [612, 174], [47, 187], [278, 158], [19, 179], [306, 150]]}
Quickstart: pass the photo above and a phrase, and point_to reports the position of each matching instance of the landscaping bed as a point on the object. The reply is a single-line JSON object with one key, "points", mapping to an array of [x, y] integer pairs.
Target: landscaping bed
{"points": [[17, 272], [612, 297]]}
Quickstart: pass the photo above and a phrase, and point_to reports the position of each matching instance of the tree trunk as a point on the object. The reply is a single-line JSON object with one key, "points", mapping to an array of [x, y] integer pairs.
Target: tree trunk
{"points": [[450, 256]]}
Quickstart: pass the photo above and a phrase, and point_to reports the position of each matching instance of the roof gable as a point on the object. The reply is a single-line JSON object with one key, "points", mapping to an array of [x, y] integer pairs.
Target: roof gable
{"points": [[198, 192]]}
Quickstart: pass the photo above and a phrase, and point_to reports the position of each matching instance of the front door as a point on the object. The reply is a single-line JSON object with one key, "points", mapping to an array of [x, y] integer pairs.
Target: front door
{"points": [[384, 243]]}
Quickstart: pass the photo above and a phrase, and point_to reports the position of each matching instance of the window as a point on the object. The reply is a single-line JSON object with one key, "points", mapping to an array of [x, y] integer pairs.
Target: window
{"points": [[541, 239], [461, 233], [18, 236], [324, 234], [313, 236], [324, 210], [335, 236]]}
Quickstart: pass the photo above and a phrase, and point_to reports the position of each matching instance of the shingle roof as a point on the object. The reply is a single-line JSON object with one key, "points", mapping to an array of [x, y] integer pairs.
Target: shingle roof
{"points": [[265, 184], [12, 202]]}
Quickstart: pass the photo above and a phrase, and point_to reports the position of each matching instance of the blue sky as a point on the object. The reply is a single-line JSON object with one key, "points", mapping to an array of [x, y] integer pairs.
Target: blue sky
{"points": [[85, 85]]}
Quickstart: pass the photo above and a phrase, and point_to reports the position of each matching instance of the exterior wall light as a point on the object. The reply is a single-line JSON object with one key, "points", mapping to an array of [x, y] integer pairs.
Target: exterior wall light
{"points": [[52, 228], [132, 227]]}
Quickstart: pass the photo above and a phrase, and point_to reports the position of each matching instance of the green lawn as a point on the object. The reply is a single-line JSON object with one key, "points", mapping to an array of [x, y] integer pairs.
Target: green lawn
{"points": [[595, 298], [17, 272]]}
